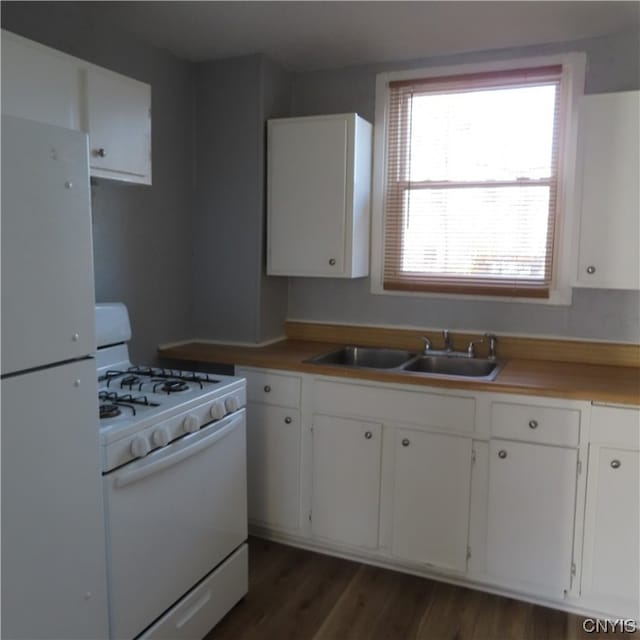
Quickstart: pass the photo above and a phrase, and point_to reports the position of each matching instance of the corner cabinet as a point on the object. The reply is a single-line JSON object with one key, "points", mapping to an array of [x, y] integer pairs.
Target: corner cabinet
{"points": [[609, 251], [48, 86], [318, 196]]}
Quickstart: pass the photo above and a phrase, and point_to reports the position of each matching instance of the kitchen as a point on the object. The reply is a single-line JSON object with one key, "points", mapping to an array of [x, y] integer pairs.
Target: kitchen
{"points": [[166, 249]]}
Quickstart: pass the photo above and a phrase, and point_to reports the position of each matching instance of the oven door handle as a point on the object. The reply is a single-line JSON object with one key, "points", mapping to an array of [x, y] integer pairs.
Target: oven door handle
{"points": [[130, 477]]}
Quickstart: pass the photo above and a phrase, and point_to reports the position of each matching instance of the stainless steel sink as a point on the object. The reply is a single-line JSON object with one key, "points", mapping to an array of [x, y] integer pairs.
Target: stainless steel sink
{"points": [[454, 366], [368, 357], [441, 365]]}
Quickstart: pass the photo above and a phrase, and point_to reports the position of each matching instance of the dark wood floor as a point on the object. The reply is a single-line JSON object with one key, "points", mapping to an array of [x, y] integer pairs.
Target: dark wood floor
{"points": [[300, 595]]}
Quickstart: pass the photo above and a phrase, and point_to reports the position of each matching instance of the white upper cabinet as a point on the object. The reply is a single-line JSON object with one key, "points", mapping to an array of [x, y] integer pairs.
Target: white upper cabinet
{"points": [[319, 181], [40, 84], [119, 126], [45, 85], [609, 240]]}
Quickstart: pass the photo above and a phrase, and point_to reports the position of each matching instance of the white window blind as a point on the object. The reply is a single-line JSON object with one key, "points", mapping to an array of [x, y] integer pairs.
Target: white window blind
{"points": [[472, 175]]}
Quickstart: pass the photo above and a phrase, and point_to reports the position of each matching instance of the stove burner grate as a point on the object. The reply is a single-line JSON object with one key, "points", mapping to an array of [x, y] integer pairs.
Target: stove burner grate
{"points": [[170, 386], [109, 411]]}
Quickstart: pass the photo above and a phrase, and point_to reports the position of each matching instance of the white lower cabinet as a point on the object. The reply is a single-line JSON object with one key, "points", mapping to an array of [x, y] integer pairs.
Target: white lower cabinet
{"points": [[611, 558], [532, 497], [346, 480], [273, 467], [431, 486]]}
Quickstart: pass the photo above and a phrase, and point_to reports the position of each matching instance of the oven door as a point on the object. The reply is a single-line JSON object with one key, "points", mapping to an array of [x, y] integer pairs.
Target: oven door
{"points": [[171, 518]]}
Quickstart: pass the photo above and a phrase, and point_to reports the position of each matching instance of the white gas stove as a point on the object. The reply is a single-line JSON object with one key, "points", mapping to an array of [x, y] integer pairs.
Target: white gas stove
{"points": [[145, 408], [174, 468]]}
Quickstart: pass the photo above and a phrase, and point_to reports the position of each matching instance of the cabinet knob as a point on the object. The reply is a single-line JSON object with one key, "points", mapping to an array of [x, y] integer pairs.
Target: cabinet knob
{"points": [[591, 270], [101, 152], [533, 424], [332, 261], [502, 454], [406, 442], [287, 420], [368, 435], [267, 388], [615, 464]]}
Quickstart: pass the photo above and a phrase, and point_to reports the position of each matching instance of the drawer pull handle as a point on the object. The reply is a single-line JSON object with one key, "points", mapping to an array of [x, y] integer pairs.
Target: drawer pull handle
{"points": [[591, 270], [406, 442], [533, 424], [615, 464], [502, 454], [332, 261], [368, 435], [287, 420], [267, 388]]}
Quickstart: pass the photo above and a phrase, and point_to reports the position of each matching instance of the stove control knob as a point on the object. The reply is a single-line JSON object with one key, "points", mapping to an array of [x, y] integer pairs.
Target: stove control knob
{"points": [[139, 447], [161, 437], [231, 404], [191, 424], [217, 411]]}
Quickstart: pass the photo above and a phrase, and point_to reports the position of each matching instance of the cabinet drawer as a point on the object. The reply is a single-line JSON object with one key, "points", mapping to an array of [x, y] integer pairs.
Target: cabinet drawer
{"points": [[456, 413], [549, 425], [272, 388]]}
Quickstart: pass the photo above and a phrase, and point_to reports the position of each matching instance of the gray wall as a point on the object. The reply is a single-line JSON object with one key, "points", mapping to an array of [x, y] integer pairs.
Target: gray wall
{"points": [[613, 65], [141, 235], [233, 299]]}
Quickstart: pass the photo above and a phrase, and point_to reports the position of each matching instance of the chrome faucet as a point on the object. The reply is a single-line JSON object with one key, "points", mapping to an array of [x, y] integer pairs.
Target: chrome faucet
{"points": [[471, 352], [448, 345], [492, 345]]}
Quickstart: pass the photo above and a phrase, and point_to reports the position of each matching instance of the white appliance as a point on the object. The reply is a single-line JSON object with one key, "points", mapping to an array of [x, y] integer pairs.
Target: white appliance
{"points": [[53, 547], [174, 463]]}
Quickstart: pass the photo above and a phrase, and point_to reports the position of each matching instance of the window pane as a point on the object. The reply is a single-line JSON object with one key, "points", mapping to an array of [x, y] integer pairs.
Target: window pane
{"points": [[498, 134], [497, 232]]}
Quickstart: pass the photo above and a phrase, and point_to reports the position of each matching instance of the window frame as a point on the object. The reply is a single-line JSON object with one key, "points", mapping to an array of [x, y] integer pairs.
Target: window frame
{"points": [[572, 88]]}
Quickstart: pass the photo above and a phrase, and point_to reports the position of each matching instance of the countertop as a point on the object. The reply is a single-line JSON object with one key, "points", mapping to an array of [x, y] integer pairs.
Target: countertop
{"points": [[598, 383]]}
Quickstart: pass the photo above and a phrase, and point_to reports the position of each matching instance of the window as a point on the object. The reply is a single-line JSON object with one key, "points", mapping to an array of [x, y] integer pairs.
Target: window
{"points": [[471, 181]]}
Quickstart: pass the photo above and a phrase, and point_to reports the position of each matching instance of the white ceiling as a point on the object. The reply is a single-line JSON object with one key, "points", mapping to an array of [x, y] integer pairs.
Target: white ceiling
{"points": [[313, 35]]}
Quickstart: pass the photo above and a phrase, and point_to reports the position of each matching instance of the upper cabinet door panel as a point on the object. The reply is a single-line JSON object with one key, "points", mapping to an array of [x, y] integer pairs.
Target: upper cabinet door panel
{"points": [[610, 224], [308, 191], [39, 85], [119, 125], [318, 184], [47, 261]]}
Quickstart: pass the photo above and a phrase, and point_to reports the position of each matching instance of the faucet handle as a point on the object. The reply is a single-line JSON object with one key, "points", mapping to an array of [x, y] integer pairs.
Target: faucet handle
{"points": [[471, 352], [447, 340], [492, 345], [427, 343]]}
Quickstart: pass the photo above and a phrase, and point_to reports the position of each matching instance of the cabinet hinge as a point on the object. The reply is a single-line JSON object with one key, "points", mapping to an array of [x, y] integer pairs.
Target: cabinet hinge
{"points": [[579, 467], [473, 456], [573, 568], [309, 516], [468, 552]]}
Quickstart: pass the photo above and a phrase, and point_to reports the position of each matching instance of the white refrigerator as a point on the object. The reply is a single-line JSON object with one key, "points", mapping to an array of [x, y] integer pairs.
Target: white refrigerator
{"points": [[53, 548]]}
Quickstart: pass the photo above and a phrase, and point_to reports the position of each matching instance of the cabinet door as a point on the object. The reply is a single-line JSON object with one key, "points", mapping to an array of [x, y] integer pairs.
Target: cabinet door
{"points": [[47, 259], [611, 568], [532, 495], [273, 453], [119, 125], [308, 165], [39, 84], [346, 480], [610, 224], [432, 481], [53, 546]]}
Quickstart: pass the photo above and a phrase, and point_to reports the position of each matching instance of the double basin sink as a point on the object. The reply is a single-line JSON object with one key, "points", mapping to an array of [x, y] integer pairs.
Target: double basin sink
{"points": [[454, 364]]}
